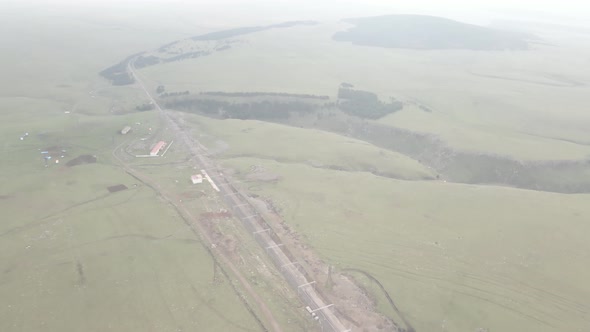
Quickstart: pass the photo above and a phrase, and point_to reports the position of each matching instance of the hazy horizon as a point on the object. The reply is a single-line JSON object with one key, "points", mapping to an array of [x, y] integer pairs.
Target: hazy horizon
{"points": [[571, 12], [197, 166]]}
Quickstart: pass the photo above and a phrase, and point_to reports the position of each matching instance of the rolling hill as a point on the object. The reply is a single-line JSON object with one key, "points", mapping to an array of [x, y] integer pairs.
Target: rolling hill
{"points": [[427, 32]]}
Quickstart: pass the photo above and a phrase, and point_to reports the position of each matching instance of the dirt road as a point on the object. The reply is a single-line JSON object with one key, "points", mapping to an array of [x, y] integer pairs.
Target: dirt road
{"points": [[195, 150], [194, 222], [290, 271]]}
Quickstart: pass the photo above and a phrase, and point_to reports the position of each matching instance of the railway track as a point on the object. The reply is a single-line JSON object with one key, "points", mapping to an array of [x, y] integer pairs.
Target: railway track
{"points": [[318, 307]]}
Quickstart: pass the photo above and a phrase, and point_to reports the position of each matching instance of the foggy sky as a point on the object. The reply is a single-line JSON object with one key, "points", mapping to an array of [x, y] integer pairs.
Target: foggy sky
{"points": [[473, 11], [565, 7]]}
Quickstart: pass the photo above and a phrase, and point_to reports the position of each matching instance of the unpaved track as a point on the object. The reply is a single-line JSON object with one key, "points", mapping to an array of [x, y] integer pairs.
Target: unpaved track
{"points": [[194, 222], [263, 308]]}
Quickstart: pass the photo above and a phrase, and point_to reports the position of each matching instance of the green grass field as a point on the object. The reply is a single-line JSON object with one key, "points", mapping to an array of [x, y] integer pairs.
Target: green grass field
{"points": [[453, 257], [496, 115], [121, 262], [72, 255], [450, 255], [296, 145]]}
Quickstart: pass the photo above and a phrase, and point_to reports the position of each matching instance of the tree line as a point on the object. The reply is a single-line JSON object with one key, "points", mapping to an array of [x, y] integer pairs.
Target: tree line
{"points": [[365, 104], [262, 110], [263, 94], [118, 74]]}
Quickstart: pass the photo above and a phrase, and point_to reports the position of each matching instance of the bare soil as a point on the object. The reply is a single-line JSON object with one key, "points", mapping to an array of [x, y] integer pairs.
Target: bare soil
{"points": [[259, 173], [352, 301], [215, 215]]}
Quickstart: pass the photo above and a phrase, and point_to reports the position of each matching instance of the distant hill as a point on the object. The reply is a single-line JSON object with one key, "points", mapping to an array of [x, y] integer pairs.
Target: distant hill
{"points": [[204, 45], [217, 35], [428, 32]]}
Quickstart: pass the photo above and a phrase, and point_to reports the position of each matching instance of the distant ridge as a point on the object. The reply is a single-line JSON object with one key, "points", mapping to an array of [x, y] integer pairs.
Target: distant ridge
{"points": [[428, 32], [246, 30]]}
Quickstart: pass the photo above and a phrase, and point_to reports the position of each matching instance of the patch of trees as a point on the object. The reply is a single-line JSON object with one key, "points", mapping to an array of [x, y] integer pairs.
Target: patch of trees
{"points": [[365, 104], [228, 33], [223, 48], [428, 32], [425, 109], [246, 30], [165, 47], [160, 89], [263, 94], [118, 74], [189, 55], [174, 94], [263, 110], [346, 85], [145, 61], [145, 107]]}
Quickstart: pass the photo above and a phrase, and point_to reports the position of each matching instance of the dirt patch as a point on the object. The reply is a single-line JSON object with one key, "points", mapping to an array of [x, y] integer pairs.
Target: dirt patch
{"points": [[5, 196], [80, 160], [118, 187], [81, 274], [230, 244], [227, 243], [52, 149], [354, 304], [215, 215], [54, 152], [188, 195], [400, 316], [259, 173]]}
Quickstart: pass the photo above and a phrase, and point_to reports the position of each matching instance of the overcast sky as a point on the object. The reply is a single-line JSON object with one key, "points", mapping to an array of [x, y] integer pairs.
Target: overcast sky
{"points": [[572, 7], [475, 11]]}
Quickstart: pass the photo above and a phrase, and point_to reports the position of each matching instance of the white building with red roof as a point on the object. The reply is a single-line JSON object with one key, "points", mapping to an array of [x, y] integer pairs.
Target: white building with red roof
{"points": [[159, 146]]}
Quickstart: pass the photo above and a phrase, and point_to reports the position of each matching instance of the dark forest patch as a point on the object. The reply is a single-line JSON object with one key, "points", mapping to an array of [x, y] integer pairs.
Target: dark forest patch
{"points": [[145, 61], [365, 104], [264, 94], [116, 188], [217, 35], [118, 74], [80, 272], [428, 33], [80, 160], [260, 110], [563, 176]]}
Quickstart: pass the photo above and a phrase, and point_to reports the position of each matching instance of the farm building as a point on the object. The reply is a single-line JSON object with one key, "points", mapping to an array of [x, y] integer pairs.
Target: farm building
{"points": [[125, 130], [159, 146], [197, 178]]}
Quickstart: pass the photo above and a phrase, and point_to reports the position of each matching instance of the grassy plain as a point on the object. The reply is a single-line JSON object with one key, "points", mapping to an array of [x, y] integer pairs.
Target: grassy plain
{"points": [[297, 145], [453, 257], [72, 255], [109, 262], [515, 114]]}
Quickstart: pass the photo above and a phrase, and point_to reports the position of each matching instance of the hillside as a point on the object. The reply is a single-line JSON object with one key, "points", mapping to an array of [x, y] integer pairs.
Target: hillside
{"points": [[386, 181], [427, 32], [246, 30]]}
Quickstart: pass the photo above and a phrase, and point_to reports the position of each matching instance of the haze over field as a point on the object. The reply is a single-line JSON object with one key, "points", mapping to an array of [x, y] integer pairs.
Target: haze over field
{"points": [[294, 165]]}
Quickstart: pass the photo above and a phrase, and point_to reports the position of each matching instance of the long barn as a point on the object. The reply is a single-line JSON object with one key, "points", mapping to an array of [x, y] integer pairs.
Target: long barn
{"points": [[159, 146]]}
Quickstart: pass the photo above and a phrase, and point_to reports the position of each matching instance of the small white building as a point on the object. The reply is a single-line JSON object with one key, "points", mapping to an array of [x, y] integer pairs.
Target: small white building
{"points": [[197, 178], [125, 130]]}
